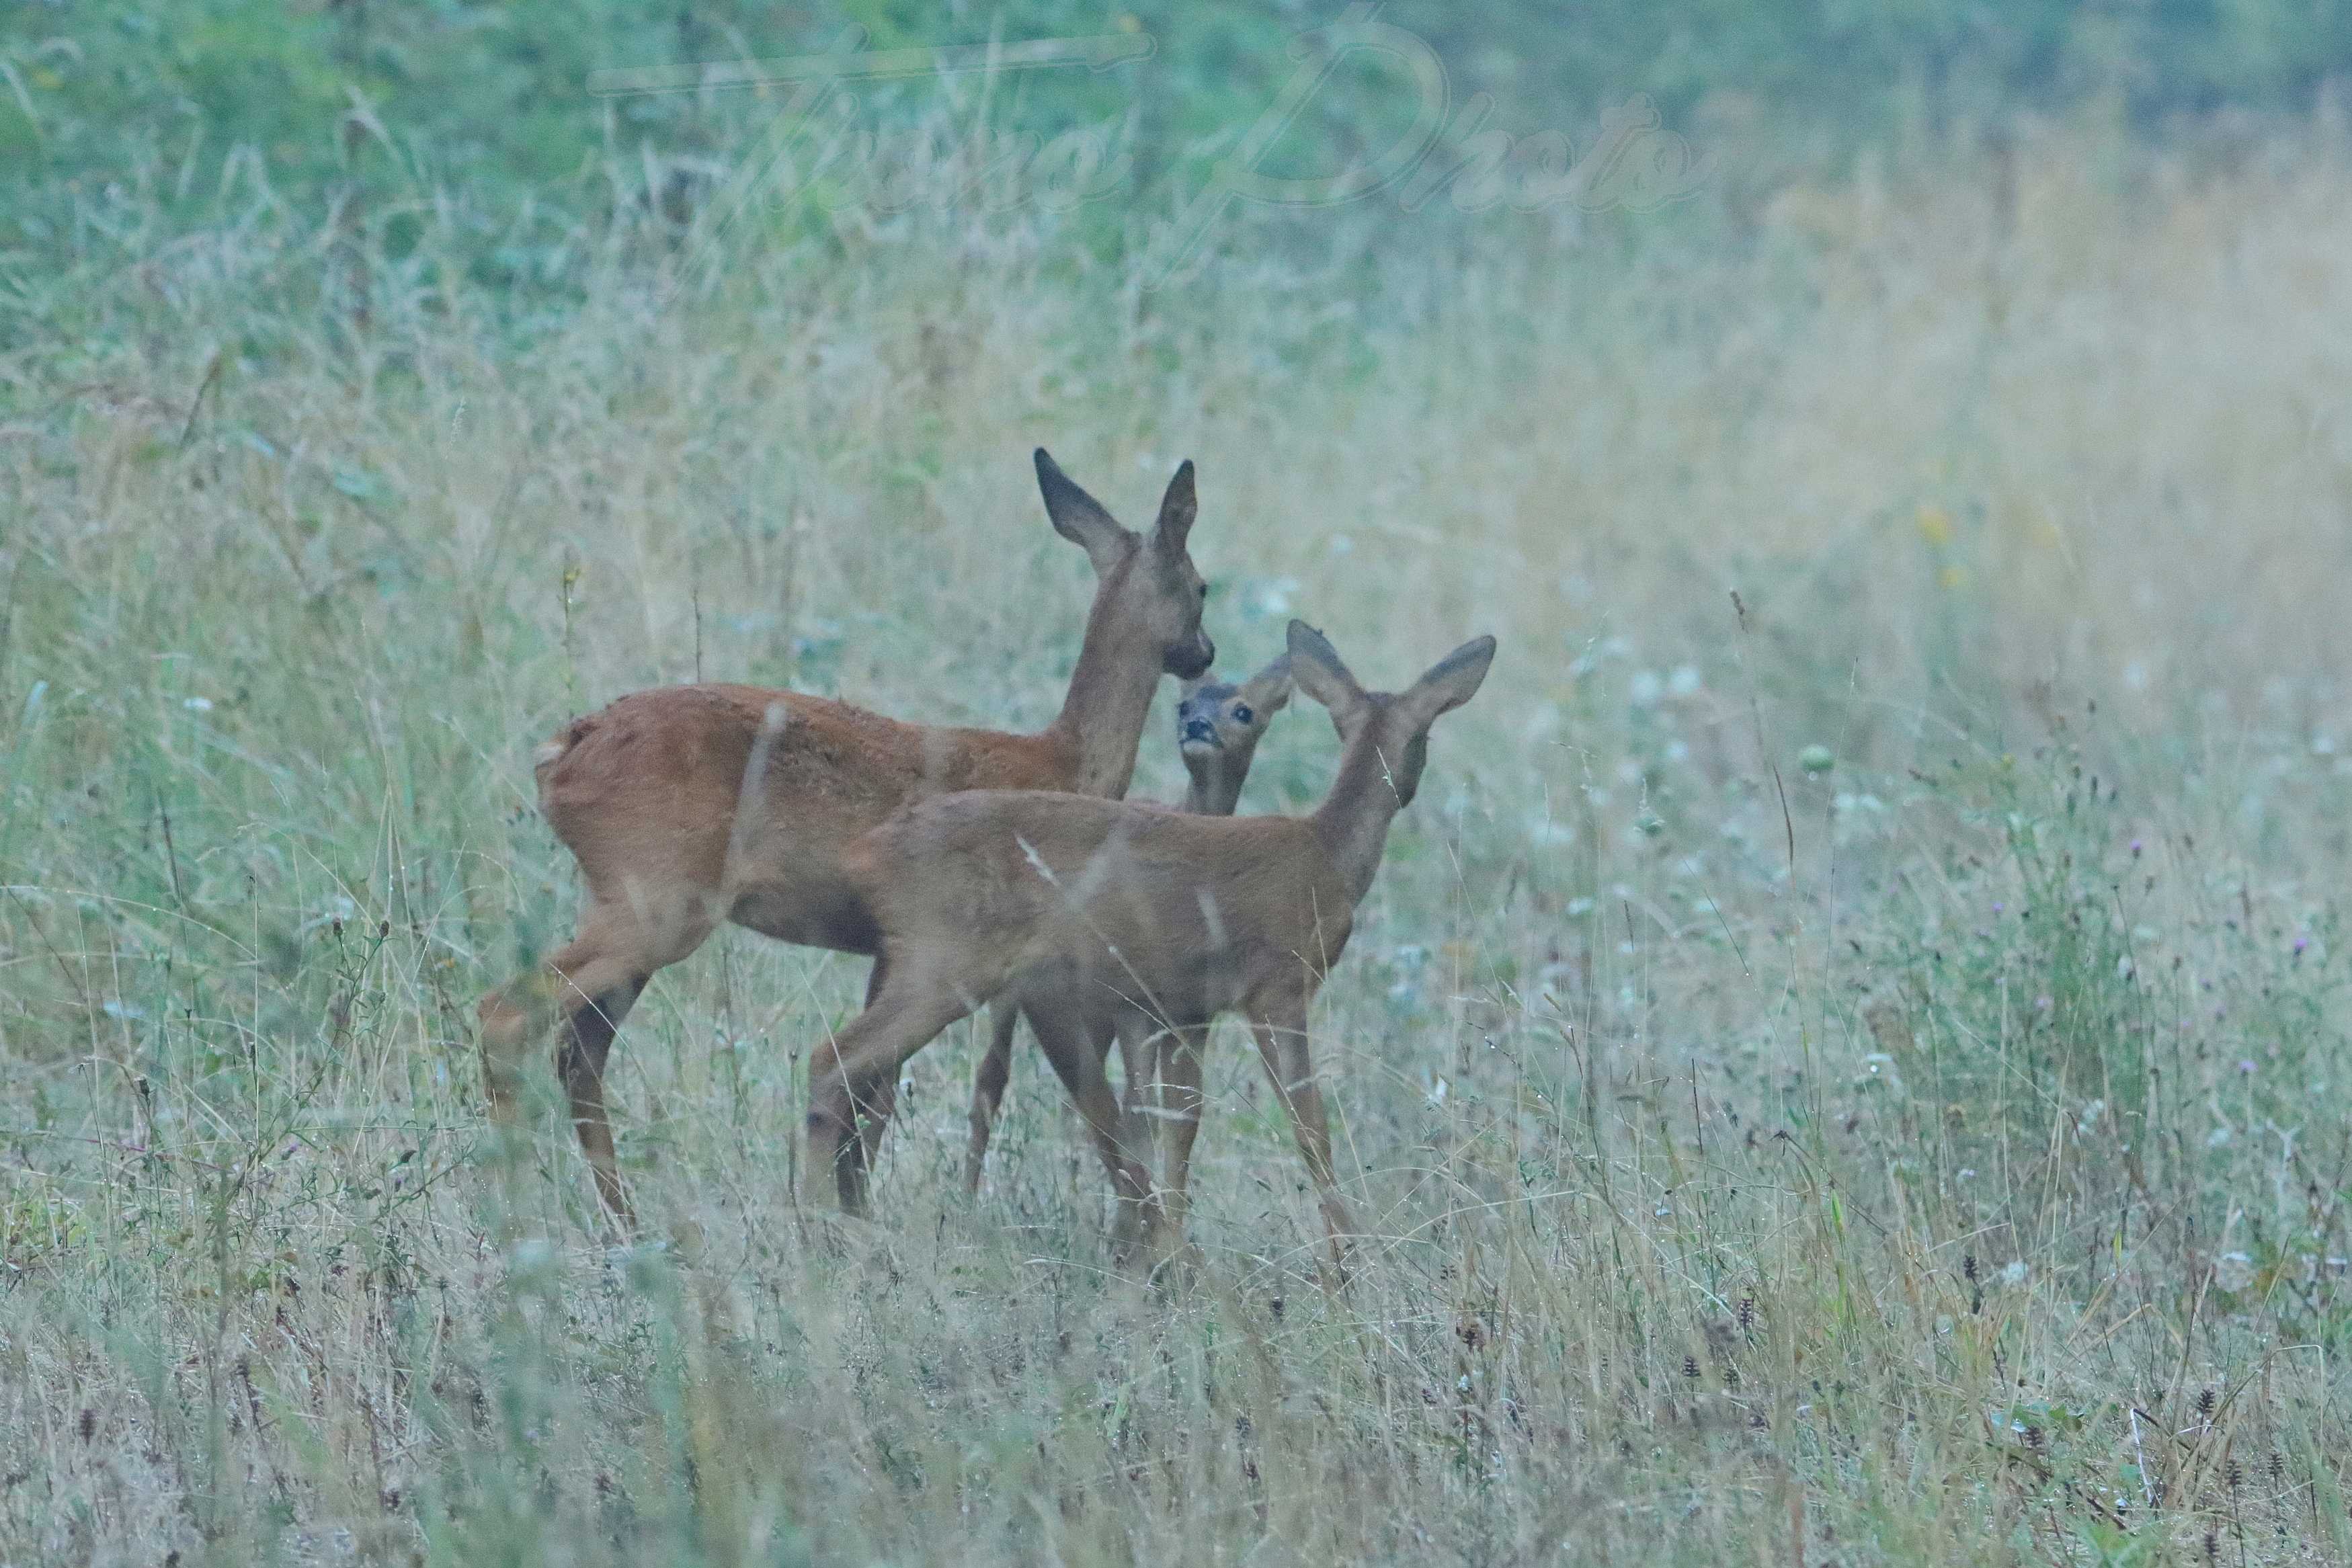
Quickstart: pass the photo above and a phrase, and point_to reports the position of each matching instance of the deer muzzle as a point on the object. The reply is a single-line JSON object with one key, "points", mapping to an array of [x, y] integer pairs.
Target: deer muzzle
{"points": [[1190, 657]]}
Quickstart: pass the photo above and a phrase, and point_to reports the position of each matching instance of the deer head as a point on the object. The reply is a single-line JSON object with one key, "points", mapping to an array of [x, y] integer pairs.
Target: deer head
{"points": [[1217, 731], [1393, 727], [1149, 586], [1383, 741]]}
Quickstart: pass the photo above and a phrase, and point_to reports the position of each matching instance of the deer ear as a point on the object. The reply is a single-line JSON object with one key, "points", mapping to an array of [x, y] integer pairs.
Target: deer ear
{"points": [[1314, 665], [1177, 509], [1269, 691], [1451, 682], [1078, 517]]}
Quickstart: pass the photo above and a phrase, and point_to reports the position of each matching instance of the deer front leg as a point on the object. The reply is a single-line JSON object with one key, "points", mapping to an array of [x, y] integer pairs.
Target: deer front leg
{"points": [[988, 1081], [1078, 1060], [1178, 1113], [1279, 1025], [1139, 1074]]}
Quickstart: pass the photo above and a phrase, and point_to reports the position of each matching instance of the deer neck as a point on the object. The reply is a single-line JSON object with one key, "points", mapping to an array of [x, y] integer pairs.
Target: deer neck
{"points": [[1215, 788], [1102, 718], [1352, 822]]}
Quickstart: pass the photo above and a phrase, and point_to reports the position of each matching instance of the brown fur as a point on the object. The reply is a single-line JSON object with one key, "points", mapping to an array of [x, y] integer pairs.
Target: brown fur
{"points": [[686, 806], [1064, 902], [1218, 727]]}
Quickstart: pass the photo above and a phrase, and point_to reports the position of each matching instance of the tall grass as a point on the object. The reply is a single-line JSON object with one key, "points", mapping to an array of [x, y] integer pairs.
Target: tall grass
{"points": [[1847, 1073]]}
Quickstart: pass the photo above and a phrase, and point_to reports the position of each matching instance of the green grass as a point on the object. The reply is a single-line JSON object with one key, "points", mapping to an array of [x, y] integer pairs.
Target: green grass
{"points": [[1938, 1156]]}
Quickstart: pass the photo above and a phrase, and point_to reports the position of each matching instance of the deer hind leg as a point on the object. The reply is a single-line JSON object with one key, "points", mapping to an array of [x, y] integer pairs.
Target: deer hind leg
{"points": [[590, 985], [588, 1040], [603, 959], [854, 1076], [988, 1081], [1279, 1025]]}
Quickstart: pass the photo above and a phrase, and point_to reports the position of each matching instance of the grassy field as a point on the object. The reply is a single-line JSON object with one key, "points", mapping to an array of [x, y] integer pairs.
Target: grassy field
{"points": [[1845, 1062]]}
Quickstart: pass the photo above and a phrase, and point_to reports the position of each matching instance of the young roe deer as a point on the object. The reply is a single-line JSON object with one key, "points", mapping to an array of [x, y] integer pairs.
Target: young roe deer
{"points": [[1174, 919], [690, 805], [1218, 727]]}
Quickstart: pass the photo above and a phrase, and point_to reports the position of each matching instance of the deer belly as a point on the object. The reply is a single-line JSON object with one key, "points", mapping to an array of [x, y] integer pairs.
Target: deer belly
{"points": [[813, 911]]}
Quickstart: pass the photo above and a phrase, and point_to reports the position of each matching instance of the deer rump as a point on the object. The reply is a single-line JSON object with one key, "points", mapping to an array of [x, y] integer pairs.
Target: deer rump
{"points": [[675, 800]]}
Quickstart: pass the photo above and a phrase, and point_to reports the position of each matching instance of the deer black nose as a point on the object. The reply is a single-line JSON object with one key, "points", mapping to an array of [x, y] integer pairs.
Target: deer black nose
{"points": [[1200, 729], [1192, 658]]}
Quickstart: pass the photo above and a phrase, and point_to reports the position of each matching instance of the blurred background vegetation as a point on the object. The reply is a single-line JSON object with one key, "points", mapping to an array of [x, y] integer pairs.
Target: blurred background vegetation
{"points": [[470, 130]]}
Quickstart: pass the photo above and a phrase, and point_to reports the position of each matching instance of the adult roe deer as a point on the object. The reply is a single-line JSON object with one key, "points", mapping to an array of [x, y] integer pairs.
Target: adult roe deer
{"points": [[1218, 727], [1065, 903], [689, 805]]}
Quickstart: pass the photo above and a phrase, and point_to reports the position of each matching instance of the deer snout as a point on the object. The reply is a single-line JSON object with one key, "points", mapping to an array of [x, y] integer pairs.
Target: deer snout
{"points": [[1199, 734], [1190, 657]]}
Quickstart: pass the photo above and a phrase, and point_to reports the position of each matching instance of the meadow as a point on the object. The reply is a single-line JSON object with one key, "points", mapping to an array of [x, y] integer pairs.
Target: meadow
{"points": [[1844, 1062]]}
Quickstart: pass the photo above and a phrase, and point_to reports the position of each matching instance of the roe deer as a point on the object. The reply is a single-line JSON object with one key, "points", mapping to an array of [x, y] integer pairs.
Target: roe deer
{"points": [[1217, 731], [690, 805], [1173, 919]]}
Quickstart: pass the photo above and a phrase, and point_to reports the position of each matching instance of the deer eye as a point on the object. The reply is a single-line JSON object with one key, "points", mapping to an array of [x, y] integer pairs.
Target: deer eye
{"points": [[1242, 713], [1204, 593]]}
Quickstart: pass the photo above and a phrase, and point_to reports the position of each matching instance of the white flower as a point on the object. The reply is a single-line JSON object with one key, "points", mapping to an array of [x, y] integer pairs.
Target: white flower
{"points": [[2013, 1273], [1271, 596]]}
